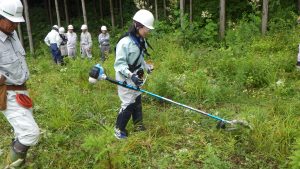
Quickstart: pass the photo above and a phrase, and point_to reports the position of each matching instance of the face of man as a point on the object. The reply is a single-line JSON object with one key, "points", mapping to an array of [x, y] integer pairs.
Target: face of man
{"points": [[71, 30], [7, 26]]}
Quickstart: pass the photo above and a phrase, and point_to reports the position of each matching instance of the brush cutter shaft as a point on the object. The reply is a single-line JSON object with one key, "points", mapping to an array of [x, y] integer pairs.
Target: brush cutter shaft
{"points": [[163, 98]]}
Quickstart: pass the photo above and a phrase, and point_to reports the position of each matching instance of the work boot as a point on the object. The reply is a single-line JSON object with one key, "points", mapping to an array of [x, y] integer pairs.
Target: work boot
{"points": [[17, 155], [139, 127], [15, 160]]}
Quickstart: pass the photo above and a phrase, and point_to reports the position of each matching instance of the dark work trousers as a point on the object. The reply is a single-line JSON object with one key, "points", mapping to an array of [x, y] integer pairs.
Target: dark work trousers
{"points": [[104, 52], [134, 110], [55, 53]]}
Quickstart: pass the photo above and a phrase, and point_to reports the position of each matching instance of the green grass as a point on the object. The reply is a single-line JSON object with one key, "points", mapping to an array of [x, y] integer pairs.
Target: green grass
{"points": [[259, 85]]}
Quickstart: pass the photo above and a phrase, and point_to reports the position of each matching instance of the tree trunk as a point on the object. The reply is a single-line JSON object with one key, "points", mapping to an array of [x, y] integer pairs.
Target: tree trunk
{"points": [[47, 11], [298, 6], [112, 14], [20, 34], [222, 19], [78, 8], [264, 20], [84, 12], [156, 10], [191, 11], [165, 9], [94, 6], [28, 26], [50, 12], [57, 13], [181, 13], [101, 9], [121, 13], [66, 12]]}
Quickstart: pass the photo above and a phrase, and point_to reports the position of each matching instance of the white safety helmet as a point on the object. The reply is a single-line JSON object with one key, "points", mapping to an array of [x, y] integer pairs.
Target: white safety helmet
{"points": [[55, 27], [12, 10], [70, 27], [61, 30], [144, 17], [103, 28], [83, 27]]}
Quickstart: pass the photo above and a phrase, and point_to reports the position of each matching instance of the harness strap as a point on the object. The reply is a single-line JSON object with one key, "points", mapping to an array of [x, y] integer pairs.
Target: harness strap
{"points": [[134, 66], [141, 46]]}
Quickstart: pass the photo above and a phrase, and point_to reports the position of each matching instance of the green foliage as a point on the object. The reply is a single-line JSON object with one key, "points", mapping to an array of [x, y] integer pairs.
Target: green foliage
{"points": [[295, 158], [243, 32], [283, 22], [211, 159], [106, 154], [191, 33], [209, 32]]}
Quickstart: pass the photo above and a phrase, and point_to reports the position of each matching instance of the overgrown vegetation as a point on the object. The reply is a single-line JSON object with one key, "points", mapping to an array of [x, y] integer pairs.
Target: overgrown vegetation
{"points": [[244, 77]]}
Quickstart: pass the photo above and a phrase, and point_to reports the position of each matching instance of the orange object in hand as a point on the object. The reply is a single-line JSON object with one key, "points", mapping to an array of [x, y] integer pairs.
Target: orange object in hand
{"points": [[24, 100]]}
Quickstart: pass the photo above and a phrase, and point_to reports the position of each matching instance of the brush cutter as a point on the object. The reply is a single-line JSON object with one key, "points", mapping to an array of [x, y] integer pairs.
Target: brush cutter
{"points": [[97, 73]]}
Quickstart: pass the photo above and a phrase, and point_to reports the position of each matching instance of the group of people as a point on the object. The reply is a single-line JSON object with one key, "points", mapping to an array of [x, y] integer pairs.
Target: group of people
{"points": [[15, 103], [64, 44]]}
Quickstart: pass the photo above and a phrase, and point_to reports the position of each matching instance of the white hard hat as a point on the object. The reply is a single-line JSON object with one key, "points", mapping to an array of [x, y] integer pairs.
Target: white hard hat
{"points": [[144, 17], [55, 27], [61, 30], [84, 27], [103, 28], [70, 27], [12, 10]]}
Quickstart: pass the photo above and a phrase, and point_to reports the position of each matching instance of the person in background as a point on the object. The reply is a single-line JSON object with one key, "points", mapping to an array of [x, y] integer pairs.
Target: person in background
{"points": [[63, 44], [15, 103], [71, 44], [103, 39], [129, 66], [298, 60], [53, 40], [85, 43], [298, 57]]}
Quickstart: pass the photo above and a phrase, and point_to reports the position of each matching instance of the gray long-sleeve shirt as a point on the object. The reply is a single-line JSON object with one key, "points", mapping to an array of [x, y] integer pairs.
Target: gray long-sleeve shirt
{"points": [[86, 39], [72, 39], [126, 53], [12, 59], [103, 39]]}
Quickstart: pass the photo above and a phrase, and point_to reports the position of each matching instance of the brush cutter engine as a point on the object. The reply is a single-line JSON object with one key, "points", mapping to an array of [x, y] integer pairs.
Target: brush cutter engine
{"points": [[96, 73]]}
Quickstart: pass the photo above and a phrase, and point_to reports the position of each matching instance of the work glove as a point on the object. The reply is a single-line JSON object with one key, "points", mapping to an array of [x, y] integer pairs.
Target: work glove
{"points": [[136, 80], [149, 68]]}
